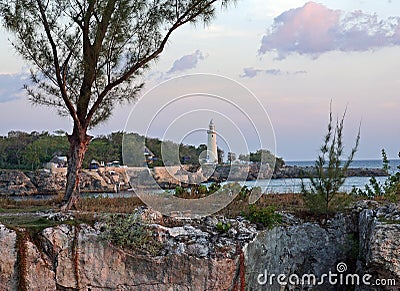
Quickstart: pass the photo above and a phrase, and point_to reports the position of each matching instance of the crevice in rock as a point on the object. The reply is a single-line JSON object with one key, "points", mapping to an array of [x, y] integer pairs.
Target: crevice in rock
{"points": [[21, 265], [63, 288], [75, 254]]}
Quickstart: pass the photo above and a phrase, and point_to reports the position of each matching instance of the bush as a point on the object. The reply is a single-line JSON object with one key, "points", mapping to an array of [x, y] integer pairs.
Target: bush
{"points": [[263, 215], [129, 232], [223, 227], [196, 191], [390, 189]]}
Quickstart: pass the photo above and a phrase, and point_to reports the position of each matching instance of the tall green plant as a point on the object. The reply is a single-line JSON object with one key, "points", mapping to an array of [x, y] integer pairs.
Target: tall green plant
{"points": [[330, 168], [390, 188]]}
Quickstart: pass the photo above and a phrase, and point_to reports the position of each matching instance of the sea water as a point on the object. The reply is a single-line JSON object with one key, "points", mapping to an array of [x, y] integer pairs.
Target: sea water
{"points": [[294, 185]]}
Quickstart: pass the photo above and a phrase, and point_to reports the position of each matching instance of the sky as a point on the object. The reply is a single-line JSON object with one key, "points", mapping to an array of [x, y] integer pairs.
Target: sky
{"points": [[294, 57]]}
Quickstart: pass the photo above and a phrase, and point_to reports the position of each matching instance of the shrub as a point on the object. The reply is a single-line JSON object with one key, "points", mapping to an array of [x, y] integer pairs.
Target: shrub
{"points": [[223, 227], [390, 188], [129, 232], [330, 171], [263, 215]]}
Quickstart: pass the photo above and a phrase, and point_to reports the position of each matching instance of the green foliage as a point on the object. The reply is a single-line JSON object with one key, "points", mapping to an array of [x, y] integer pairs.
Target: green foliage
{"points": [[263, 156], [263, 215], [196, 191], [105, 148], [390, 188], [129, 232], [29, 151], [21, 150], [330, 170], [222, 226]]}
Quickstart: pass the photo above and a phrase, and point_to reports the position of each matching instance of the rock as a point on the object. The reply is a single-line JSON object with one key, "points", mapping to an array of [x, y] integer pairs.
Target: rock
{"points": [[60, 216], [60, 244], [149, 215], [301, 249], [8, 255], [380, 245], [49, 183], [197, 255], [14, 182], [39, 273]]}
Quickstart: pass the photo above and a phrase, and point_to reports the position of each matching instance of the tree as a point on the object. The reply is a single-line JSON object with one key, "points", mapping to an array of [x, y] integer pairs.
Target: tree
{"points": [[231, 157], [87, 55], [220, 154], [330, 167]]}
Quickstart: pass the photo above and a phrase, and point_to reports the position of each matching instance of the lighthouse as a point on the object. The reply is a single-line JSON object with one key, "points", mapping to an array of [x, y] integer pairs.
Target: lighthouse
{"points": [[212, 154]]}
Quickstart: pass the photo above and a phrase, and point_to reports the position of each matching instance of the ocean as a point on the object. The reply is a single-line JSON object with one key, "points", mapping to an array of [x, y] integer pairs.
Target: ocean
{"points": [[355, 164], [294, 185]]}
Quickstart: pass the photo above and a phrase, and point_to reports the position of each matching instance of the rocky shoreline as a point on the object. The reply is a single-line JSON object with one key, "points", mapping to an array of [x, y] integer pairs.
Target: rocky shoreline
{"points": [[196, 256], [44, 182]]}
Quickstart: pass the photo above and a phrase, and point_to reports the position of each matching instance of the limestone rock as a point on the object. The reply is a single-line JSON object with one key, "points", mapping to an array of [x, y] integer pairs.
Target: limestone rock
{"points": [[199, 255], [380, 245], [49, 183], [39, 274], [14, 182], [8, 255], [306, 248]]}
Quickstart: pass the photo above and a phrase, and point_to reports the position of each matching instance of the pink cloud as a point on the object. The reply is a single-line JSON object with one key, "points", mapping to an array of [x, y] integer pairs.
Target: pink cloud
{"points": [[314, 29]]}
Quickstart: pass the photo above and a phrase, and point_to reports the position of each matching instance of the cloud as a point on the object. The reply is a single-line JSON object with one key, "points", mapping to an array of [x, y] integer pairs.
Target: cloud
{"points": [[11, 86], [252, 72], [186, 62], [315, 29]]}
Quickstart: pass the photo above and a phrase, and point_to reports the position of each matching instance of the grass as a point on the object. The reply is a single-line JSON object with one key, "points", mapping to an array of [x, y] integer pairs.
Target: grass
{"points": [[29, 221], [22, 213], [110, 205], [8, 205]]}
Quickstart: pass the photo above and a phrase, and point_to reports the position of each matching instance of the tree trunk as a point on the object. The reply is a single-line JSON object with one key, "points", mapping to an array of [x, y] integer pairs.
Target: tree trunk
{"points": [[79, 142]]}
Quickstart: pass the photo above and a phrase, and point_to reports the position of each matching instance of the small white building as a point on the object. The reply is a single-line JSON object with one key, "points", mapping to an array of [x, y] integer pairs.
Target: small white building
{"points": [[57, 164]]}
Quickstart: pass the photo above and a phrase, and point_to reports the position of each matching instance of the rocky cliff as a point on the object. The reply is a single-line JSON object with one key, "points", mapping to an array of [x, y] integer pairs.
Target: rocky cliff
{"points": [[197, 256]]}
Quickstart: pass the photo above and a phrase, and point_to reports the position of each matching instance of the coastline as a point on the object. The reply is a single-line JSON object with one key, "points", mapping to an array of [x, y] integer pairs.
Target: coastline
{"points": [[116, 180]]}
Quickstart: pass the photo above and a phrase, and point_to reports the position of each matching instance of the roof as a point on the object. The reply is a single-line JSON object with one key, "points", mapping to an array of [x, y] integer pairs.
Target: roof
{"points": [[147, 151], [59, 159]]}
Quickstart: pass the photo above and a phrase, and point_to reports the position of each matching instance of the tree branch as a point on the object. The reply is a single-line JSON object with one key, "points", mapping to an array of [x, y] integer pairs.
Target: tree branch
{"points": [[179, 22], [57, 65]]}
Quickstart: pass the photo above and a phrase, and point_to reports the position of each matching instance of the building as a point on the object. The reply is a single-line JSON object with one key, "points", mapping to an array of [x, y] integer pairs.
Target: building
{"points": [[212, 153], [57, 164], [149, 156]]}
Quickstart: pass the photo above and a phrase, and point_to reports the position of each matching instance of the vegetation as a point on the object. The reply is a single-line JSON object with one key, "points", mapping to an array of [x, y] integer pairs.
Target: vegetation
{"points": [[265, 216], [263, 156], [30, 151], [390, 188], [129, 232], [330, 170], [223, 226], [21, 150], [196, 191]]}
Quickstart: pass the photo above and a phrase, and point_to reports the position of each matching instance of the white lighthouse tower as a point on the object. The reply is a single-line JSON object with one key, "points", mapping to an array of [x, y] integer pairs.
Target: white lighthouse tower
{"points": [[212, 154]]}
